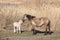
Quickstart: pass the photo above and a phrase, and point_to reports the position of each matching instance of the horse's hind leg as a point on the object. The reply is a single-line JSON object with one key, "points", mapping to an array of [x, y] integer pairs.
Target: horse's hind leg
{"points": [[45, 30], [49, 30]]}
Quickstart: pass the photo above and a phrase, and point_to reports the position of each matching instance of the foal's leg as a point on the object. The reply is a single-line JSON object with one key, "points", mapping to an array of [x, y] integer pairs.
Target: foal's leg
{"points": [[19, 29], [14, 29]]}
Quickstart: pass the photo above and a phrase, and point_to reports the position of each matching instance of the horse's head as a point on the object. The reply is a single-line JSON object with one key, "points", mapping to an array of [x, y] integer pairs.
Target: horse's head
{"points": [[27, 16]]}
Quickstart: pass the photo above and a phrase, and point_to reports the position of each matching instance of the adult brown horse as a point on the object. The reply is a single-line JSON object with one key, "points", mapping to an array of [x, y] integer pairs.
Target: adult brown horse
{"points": [[38, 22]]}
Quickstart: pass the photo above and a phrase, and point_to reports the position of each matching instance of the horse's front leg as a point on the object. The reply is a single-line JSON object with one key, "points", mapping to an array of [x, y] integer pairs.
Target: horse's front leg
{"points": [[34, 31]]}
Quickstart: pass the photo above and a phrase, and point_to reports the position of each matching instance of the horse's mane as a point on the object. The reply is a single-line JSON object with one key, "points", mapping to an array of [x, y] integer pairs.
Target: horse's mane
{"points": [[30, 17]]}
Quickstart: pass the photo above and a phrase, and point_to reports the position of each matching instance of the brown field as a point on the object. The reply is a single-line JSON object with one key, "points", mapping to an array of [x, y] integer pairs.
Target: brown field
{"points": [[13, 10]]}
